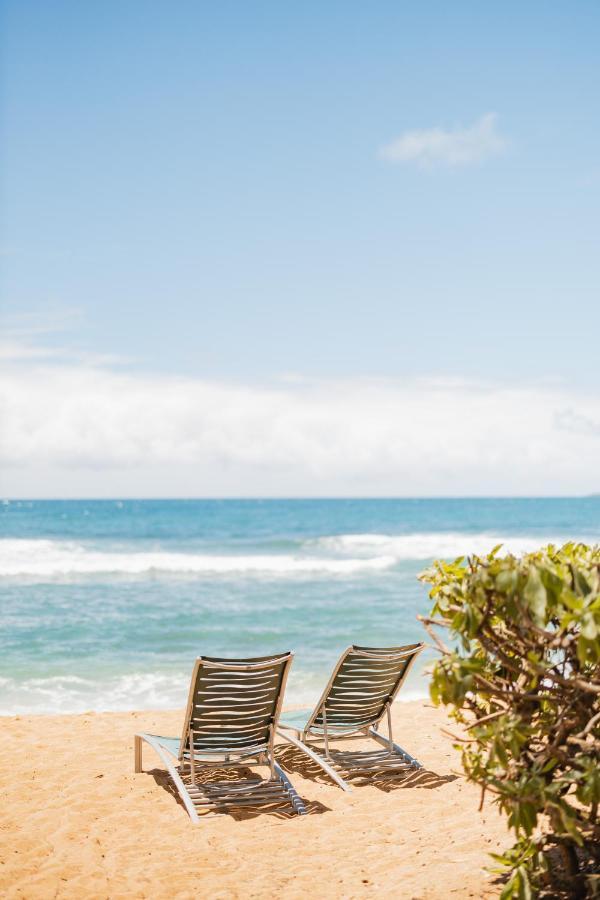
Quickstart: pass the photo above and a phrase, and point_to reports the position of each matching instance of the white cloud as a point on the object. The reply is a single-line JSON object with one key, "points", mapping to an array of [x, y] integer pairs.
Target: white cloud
{"points": [[44, 321], [13, 350], [438, 146], [21, 334], [17, 350], [578, 422], [79, 430]]}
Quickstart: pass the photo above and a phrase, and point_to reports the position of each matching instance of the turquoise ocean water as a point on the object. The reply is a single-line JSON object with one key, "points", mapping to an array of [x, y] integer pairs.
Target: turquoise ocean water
{"points": [[105, 604]]}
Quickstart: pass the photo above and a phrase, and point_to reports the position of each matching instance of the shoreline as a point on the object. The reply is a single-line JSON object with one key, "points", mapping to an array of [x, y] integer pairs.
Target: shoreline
{"points": [[78, 822], [404, 697]]}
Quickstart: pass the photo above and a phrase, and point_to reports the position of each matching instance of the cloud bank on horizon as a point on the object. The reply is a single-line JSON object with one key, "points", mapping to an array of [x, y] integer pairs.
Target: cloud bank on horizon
{"points": [[461, 146], [73, 428]]}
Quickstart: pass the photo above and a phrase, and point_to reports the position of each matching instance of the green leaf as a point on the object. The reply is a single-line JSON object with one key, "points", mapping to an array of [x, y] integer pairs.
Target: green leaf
{"points": [[507, 580], [535, 596], [589, 627]]}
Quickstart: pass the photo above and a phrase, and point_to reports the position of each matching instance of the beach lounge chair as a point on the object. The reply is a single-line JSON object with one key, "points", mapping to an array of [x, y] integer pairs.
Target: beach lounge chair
{"points": [[360, 692], [232, 712]]}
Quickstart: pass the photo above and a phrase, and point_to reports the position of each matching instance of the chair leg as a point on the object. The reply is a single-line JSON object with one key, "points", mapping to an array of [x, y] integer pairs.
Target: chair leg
{"points": [[137, 754], [181, 788], [318, 759], [192, 757], [295, 800], [270, 755], [386, 743], [389, 725]]}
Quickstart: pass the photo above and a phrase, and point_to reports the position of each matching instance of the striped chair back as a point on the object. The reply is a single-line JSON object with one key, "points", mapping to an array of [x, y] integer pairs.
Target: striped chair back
{"points": [[234, 704], [363, 685]]}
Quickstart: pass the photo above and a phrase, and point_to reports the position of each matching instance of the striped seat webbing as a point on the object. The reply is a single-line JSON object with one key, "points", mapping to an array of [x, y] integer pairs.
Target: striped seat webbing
{"points": [[366, 681], [234, 703]]}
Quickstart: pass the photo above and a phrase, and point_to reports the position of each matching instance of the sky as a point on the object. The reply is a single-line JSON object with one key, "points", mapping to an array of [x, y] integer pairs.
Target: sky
{"points": [[265, 249]]}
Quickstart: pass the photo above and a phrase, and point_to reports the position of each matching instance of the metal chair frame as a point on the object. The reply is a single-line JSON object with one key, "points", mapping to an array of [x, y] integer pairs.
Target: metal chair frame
{"points": [[362, 694], [231, 718]]}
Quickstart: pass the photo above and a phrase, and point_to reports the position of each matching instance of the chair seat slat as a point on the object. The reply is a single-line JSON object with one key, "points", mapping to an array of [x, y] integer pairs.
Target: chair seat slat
{"points": [[235, 710], [230, 692]]}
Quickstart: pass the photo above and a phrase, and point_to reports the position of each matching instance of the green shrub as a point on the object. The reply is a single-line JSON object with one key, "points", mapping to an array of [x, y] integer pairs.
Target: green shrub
{"points": [[522, 675]]}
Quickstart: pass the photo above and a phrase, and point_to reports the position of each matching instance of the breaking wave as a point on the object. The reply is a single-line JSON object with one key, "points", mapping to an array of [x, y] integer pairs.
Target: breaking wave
{"points": [[341, 555], [56, 560], [432, 545], [60, 694]]}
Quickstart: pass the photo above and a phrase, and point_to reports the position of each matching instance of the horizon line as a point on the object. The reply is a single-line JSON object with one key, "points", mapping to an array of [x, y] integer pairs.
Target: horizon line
{"points": [[6, 500]]}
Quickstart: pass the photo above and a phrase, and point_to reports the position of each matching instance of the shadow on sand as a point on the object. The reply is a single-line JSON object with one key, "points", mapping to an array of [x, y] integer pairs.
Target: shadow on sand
{"points": [[401, 777], [214, 781]]}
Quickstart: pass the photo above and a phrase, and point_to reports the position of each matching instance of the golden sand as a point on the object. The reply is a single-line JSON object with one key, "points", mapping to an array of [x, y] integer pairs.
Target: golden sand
{"points": [[75, 821]]}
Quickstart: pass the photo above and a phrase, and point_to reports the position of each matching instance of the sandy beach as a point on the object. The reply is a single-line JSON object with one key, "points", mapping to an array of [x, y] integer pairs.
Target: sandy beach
{"points": [[77, 822]]}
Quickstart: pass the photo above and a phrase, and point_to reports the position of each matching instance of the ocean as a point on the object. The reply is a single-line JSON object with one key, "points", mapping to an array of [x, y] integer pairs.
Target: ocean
{"points": [[104, 605]]}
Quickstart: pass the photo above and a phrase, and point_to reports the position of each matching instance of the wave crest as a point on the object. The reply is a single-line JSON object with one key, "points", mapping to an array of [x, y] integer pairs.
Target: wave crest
{"points": [[61, 694], [429, 545], [34, 559], [343, 555]]}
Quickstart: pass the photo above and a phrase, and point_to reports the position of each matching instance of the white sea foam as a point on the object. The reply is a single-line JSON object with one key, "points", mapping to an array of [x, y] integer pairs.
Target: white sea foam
{"points": [[59, 694], [72, 694], [35, 559], [431, 545], [347, 555]]}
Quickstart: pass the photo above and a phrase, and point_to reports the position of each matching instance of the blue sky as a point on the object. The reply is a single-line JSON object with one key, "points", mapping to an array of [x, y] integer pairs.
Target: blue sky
{"points": [[204, 191]]}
